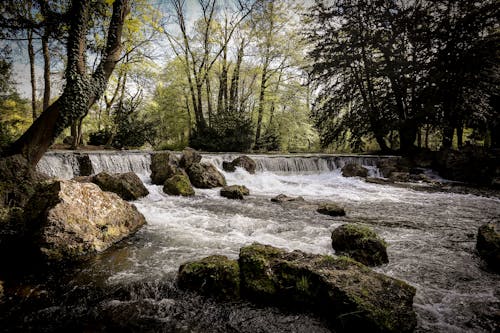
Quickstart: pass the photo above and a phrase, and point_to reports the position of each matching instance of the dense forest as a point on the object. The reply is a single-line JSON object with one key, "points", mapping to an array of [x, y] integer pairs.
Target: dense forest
{"points": [[257, 75]]}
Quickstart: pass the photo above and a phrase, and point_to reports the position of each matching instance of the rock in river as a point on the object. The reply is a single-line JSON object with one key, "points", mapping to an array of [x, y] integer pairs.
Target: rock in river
{"points": [[349, 295], [127, 185], [205, 176], [242, 161], [359, 243], [163, 166], [70, 220], [488, 244], [178, 184], [189, 157], [354, 170], [234, 192], [330, 209]]}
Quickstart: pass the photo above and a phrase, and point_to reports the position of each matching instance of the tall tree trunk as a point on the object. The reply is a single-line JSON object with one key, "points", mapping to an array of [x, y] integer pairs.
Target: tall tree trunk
{"points": [[260, 111], [46, 69], [81, 90], [31, 55], [235, 80], [460, 135]]}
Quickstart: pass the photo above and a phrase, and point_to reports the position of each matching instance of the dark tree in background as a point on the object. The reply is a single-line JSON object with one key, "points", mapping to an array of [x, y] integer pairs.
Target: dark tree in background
{"points": [[383, 66], [82, 88]]}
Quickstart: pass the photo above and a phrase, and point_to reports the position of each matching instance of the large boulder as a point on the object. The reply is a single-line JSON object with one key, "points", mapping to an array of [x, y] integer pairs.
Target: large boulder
{"points": [[330, 209], [352, 297], [242, 161], [205, 176], [359, 243], [163, 166], [234, 192], [178, 184], [127, 185], [354, 170], [488, 244], [215, 276], [84, 165], [69, 221], [189, 157]]}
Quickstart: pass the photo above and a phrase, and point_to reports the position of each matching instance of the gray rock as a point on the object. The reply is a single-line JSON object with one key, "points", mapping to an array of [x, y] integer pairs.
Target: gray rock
{"points": [[178, 184], [205, 176], [280, 198], [69, 221], [354, 170], [189, 157], [163, 166], [127, 185]]}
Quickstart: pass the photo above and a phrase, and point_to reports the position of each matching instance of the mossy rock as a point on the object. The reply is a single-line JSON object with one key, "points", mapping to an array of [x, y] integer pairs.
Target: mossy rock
{"points": [[127, 185], [331, 209], [163, 166], [215, 276], [360, 243], [349, 295], [178, 184], [234, 192], [488, 244]]}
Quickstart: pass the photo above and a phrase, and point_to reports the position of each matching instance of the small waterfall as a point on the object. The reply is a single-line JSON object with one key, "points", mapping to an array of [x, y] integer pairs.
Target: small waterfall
{"points": [[67, 165], [303, 164], [138, 162]]}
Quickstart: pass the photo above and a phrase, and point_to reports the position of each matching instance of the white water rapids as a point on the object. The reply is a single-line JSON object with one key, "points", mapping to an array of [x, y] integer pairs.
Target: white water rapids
{"points": [[431, 236]]}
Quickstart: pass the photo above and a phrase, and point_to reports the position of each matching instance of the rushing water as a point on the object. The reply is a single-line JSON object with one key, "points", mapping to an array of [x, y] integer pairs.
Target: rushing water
{"points": [[430, 236]]}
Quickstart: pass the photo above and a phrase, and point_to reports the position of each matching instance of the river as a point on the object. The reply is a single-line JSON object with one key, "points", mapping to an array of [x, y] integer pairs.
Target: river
{"points": [[431, 245]]}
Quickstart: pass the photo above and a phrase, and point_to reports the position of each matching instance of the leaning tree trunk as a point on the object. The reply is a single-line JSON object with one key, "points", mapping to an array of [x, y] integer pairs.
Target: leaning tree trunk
{"points": [[82, 89]]}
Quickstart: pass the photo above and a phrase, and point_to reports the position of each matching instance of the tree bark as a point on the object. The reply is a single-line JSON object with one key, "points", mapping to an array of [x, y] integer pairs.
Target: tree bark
{"points": [[81, 90], [31, 56], [46, 69]]}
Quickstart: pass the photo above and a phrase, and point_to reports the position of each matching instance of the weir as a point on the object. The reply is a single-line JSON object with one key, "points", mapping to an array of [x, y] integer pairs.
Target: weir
{"points": [[67, 164]]}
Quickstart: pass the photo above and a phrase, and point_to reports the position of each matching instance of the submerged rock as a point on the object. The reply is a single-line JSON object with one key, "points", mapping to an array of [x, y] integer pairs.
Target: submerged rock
{"points": [[379, 181], [488, 244], [178, 184], [331, 209], [228, 166], [127, 185], [163, 166], [354, 170], [205, 176], [280, 198], [350, 296], [359, 243], [189, 157], [70, 220], [215, 276], [234, 192], [399, 177]]}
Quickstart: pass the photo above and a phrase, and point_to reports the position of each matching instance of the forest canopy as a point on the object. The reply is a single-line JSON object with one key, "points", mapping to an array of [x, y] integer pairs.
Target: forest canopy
{"points": [[253, 75]]}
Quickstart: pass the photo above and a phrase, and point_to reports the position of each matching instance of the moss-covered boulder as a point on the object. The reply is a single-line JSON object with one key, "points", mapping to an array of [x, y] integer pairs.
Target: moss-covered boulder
{"points": [[234, 192], [215, 276], [178, 184], [189, 156], [205, 176], [163, 166], [349, 295], [127, 185], [488, 244], [360, 243], [330, 209], [69, 221], [354, 170]]}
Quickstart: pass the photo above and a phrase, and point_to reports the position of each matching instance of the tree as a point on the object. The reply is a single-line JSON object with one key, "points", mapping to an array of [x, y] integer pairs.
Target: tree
{"points": [[82, 89]]}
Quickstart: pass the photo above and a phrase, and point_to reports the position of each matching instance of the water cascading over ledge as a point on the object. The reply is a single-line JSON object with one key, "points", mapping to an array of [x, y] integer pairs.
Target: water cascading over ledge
{"points": [[68, 164]]}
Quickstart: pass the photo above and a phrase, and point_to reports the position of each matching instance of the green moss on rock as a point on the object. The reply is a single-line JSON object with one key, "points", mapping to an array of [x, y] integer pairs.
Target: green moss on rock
{"points": [[360, 243], [178, 184], [215, 276], [349, 295]]}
